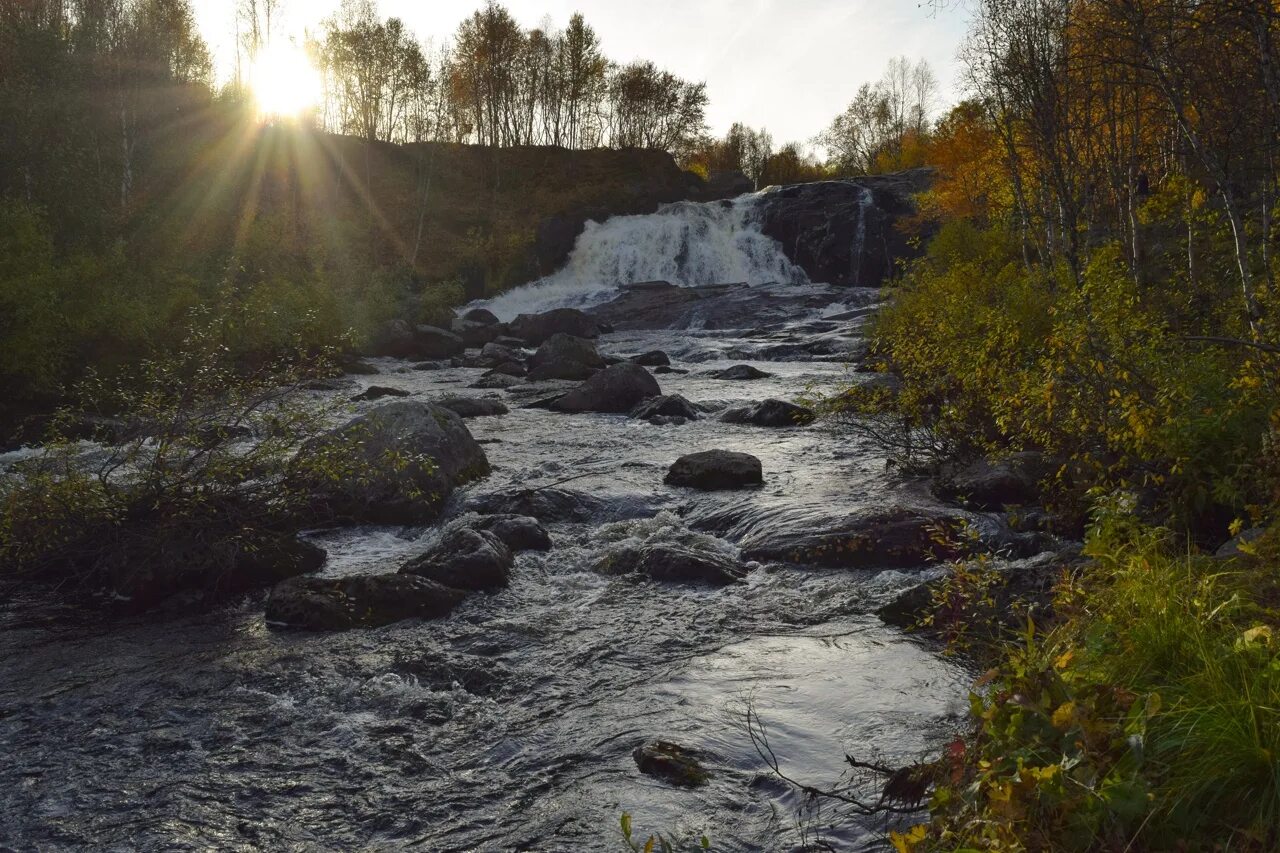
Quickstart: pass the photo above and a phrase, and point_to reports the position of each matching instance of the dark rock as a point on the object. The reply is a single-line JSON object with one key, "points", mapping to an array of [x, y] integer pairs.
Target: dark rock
{"points": [[770, 413], [433, 342], [393, 339], [377, 392], [366, 601], [1012, 480], [671, 763], [729, 183], [410, 455], [534, 329], [655, 358], [465, 558], [496, 353], [668, 406], [495, 381], [547, 505], [356, 367], [663, 370], [890, 538], [714, 470], [481, 317], [517, 532], [739, 373], [1233, 547], [565, 357], [476, 335], [667, 420], [510, 368], [474, 407], [845, 232], [674, 563], [615, 389], [431, 365]]}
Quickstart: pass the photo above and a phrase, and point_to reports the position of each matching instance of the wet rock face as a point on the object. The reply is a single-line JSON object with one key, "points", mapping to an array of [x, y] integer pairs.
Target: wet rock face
{"points": [[366, 601], [714, 470], [517, 532], [845, 232], [770, 413], [564, 356], [739, 373], [671, 763], [534, 329], [433, 342], [465, 558], [617, 389], [440, 450]]}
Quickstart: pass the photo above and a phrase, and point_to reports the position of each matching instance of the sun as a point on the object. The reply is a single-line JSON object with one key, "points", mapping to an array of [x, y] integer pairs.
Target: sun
{"points": [[284, 82]]}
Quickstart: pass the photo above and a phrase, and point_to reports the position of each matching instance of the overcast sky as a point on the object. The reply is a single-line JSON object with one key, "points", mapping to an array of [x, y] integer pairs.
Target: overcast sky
{"points": [[787, 65]]}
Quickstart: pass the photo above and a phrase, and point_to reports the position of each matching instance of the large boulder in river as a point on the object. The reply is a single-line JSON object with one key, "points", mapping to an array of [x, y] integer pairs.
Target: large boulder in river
{"points": [[617, 389], [770, 413], [739, 373], [533, 329], [395, 465], [714, 470], [475, 334], [465, 558], [846, 232], [673, 562], [564, 356], [366, 601], [672, 763]]}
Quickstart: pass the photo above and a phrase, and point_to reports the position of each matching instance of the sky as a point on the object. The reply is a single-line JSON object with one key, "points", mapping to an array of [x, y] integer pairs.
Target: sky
{"points": [[787, 65]]}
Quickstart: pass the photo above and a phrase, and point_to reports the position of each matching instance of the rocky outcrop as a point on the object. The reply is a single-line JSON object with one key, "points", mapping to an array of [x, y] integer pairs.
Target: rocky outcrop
{"points": [[517, 532], [377, 392], [395, 465], [770, 413], [465, 558], [617, 389], [714, 470], [367, 601], [675, 563], [848, 232]]}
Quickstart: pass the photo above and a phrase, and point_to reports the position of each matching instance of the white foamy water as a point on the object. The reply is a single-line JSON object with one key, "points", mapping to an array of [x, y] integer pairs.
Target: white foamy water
{"points": [[685, 243]]}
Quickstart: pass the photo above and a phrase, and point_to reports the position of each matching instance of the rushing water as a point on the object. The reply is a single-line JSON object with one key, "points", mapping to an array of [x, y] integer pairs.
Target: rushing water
{"points": [[685, 243], [509, 725]]}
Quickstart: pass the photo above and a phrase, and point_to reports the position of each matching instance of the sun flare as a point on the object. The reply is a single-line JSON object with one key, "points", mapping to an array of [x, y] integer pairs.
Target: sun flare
{"points": [[284, 82]]}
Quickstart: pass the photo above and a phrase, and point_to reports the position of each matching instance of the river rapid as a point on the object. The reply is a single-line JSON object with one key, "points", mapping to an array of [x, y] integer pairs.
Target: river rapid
{"points": [[510, 725]]}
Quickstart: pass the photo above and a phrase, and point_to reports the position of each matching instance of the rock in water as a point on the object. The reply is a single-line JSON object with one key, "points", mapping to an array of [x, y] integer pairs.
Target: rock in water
{"points": [[739, 373], [465, 559], [408, 456], [366, 601], [474, 407], [770, 413], [617, 389], [517, 532], [672, 763], [714, 470], [656, 358], [671, 562], [481, 317], [666, 406], [565, 357], [534, 329], [377, 392]]}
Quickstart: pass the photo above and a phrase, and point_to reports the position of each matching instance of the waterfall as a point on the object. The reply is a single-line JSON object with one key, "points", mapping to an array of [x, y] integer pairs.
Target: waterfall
{"points": [[865, 202], [685, 243]]}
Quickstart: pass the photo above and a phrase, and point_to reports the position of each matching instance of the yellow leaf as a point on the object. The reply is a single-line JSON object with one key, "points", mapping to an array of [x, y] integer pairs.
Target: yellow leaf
{"points": [[1064, 716], [1064, 660], [906, 842]]}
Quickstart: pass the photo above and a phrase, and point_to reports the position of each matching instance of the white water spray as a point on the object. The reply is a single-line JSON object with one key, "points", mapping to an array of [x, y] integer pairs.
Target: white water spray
{"points": [[686, 243]]}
